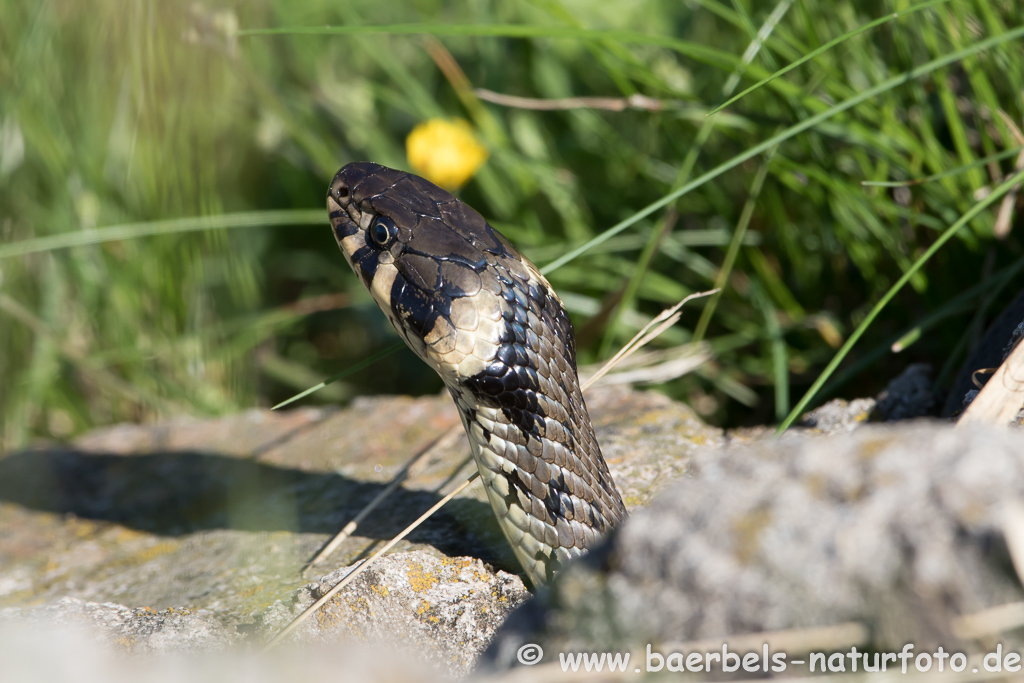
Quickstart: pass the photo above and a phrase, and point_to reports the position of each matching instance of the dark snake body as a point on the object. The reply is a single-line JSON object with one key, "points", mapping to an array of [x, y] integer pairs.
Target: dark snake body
{"points": [[479, 313]]}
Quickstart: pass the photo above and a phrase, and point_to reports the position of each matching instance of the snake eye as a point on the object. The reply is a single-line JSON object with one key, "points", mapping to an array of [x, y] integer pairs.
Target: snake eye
{"points": [[383, 231]]}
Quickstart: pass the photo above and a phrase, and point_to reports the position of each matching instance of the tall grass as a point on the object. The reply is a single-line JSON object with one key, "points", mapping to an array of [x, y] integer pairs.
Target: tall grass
{"points": [[139, 114]]}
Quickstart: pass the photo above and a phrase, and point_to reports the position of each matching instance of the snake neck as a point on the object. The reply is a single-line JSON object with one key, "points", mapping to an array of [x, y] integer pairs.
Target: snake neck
{"points": [[553, 500]]}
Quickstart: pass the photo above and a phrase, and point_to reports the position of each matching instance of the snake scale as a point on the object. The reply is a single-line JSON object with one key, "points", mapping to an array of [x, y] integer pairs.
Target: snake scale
{"points": [[485, 319]]}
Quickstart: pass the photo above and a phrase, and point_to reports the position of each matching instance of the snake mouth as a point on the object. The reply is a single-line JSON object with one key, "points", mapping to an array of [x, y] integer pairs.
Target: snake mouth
{"points": [[351, 237], [348, 214], [341, 220], [333, 206]]}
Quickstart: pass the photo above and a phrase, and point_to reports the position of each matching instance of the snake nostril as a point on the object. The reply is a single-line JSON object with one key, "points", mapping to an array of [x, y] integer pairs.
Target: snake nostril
{"points": [[340, 192]]}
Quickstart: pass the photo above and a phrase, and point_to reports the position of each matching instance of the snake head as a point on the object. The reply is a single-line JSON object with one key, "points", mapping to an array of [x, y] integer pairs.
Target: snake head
{"points": [[446, 280]]}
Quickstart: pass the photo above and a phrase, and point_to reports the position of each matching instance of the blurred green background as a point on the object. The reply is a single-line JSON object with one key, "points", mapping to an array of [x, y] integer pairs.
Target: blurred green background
{"points": [[116, 112]]}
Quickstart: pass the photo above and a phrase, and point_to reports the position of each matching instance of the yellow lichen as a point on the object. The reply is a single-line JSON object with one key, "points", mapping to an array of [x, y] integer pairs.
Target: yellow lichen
{"points": [[420, 580], [249, 592], [359, 603], [156, 551], [83, 528], [445, 152], [326, 619], [425, 609]]}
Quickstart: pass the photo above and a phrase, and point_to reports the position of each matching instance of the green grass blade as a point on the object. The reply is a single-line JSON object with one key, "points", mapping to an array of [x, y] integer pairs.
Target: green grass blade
{"points": [[700, 52], [904, 279], [107, 379], [126, 231], [945, 174], [734, 247], [704, 132], [790, 132], [967, 301], [825, 48], [779, 356], [365, 363]]}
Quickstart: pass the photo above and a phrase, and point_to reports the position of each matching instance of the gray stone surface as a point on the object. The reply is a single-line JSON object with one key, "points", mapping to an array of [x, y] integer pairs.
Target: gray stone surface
{"points": [[136, 630], [839, 415], [47, 653], [910, 395], [213, 520], [190, 536], [445, 610], [898, 528]]}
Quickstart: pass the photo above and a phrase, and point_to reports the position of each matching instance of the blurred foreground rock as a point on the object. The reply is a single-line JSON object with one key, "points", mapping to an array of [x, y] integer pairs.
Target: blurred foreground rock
{"points": [[895, 531]]}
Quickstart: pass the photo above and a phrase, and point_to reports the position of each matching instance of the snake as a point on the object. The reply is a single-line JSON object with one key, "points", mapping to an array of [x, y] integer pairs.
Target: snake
{"points": [[488, 322]]}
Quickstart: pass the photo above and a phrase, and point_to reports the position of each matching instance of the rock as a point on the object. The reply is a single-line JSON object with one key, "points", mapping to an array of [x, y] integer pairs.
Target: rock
{"points": [[215, 518], [190, 535], [445, 610], [438, 610], [647, 440], [908, 396], [57, 650], [839, 415], [897, 528], [136, 630]]}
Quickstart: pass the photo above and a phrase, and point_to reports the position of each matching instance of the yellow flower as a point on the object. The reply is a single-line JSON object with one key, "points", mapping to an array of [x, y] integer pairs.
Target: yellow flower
{"points": [[446, 153]]}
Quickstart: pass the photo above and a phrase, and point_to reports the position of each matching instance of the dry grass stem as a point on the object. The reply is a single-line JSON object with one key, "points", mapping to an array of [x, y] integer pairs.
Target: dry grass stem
{"points": [[635, 101], [426, 456], [359, 569], [650, 331], [1004, 219]]}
